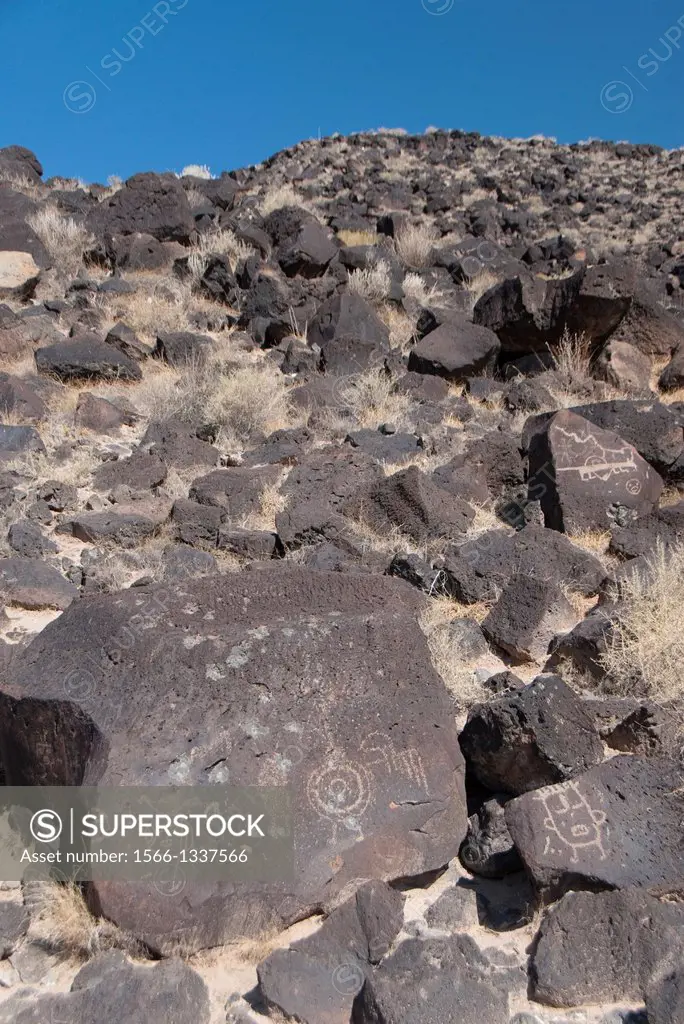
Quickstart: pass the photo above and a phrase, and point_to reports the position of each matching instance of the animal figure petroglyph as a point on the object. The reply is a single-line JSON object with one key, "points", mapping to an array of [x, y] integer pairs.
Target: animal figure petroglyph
{"points": [[572, 822], [599, 462], [383, 754]]}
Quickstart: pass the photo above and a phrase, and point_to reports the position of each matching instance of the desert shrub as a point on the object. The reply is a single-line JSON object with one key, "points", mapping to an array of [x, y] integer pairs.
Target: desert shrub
{"points": [[197, 171], [64, 238], [645, 648], [372, 283], [414, 243]]}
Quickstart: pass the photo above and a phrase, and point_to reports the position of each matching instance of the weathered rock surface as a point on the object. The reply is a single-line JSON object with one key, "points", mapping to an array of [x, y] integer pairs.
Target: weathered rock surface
{"points": [[583, 475], [531, 738], [431, 981], [454, 350], [112, 988], [30, 583], [86, 358], [488, 849], [617, 825], [378, 789], [604, 947], [316, 980], [151, 204], [527, 615], [411, 502]]}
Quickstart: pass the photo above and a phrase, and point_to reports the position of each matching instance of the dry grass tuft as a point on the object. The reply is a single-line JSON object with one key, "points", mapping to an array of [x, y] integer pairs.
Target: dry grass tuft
{"points": [[572, 359], [19, 182], [449, 660], [485, 520], [373, 399], [62, 924], [415, 288], [279, 196], [63, 237], [399, 324], [358, 237], [646, 649], [197, 171], [414, 244], [249, 401], [270, 503], [160, 305], [478, 284], [373, 283], [218, 243]]}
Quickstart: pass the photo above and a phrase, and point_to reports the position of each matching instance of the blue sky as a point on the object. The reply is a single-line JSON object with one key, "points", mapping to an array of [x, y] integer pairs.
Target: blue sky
{"points": [[229, 82]]}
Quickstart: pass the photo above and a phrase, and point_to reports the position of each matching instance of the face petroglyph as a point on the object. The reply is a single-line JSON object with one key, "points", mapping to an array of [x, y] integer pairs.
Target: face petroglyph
{"points": [[573, 823]]}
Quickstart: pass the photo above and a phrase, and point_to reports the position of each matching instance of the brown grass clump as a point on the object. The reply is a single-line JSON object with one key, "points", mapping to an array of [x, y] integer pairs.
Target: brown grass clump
{"points": [[263, 516], [351, 238], [449, 660], [62, 924], [218, 243], [414, 244], [478, 284], [373, 399], [244, 402], [646, 648], [64, 238], [572, 359], [158, 306], [372, 283]]}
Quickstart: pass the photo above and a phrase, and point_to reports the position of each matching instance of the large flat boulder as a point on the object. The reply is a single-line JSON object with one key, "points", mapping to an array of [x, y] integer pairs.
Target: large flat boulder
{"points": [[86, 358], [615, 826], [30, 583], [604, 947], [455, 350], [583, 475], [113, 989], [253, 665]]}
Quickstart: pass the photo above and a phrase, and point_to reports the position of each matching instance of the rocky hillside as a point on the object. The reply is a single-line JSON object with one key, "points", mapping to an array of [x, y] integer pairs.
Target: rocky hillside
{"points": [[359, 472]]}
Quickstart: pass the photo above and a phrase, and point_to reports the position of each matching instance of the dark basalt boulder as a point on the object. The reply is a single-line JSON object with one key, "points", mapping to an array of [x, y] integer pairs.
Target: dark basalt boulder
{"points": [[343, 661]]}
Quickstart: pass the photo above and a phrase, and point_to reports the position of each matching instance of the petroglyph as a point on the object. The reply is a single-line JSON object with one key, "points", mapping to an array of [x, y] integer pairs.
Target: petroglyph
{"points": [[572, 822], [585, 455], [341, 792], [406, 763]]}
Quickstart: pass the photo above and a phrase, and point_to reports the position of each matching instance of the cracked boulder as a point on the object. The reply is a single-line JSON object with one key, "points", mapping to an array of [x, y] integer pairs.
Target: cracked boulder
{"points": [[583, 475], [316, 979], [604, 947], [350, 335], [331, 665], [530, 738], [615, 826], [112, 988]]}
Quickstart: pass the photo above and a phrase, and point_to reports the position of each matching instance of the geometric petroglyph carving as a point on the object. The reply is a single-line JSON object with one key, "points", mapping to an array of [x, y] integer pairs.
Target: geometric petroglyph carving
{"points": [[340, 791], [382, 754], [585, 455], [572, 822]]}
